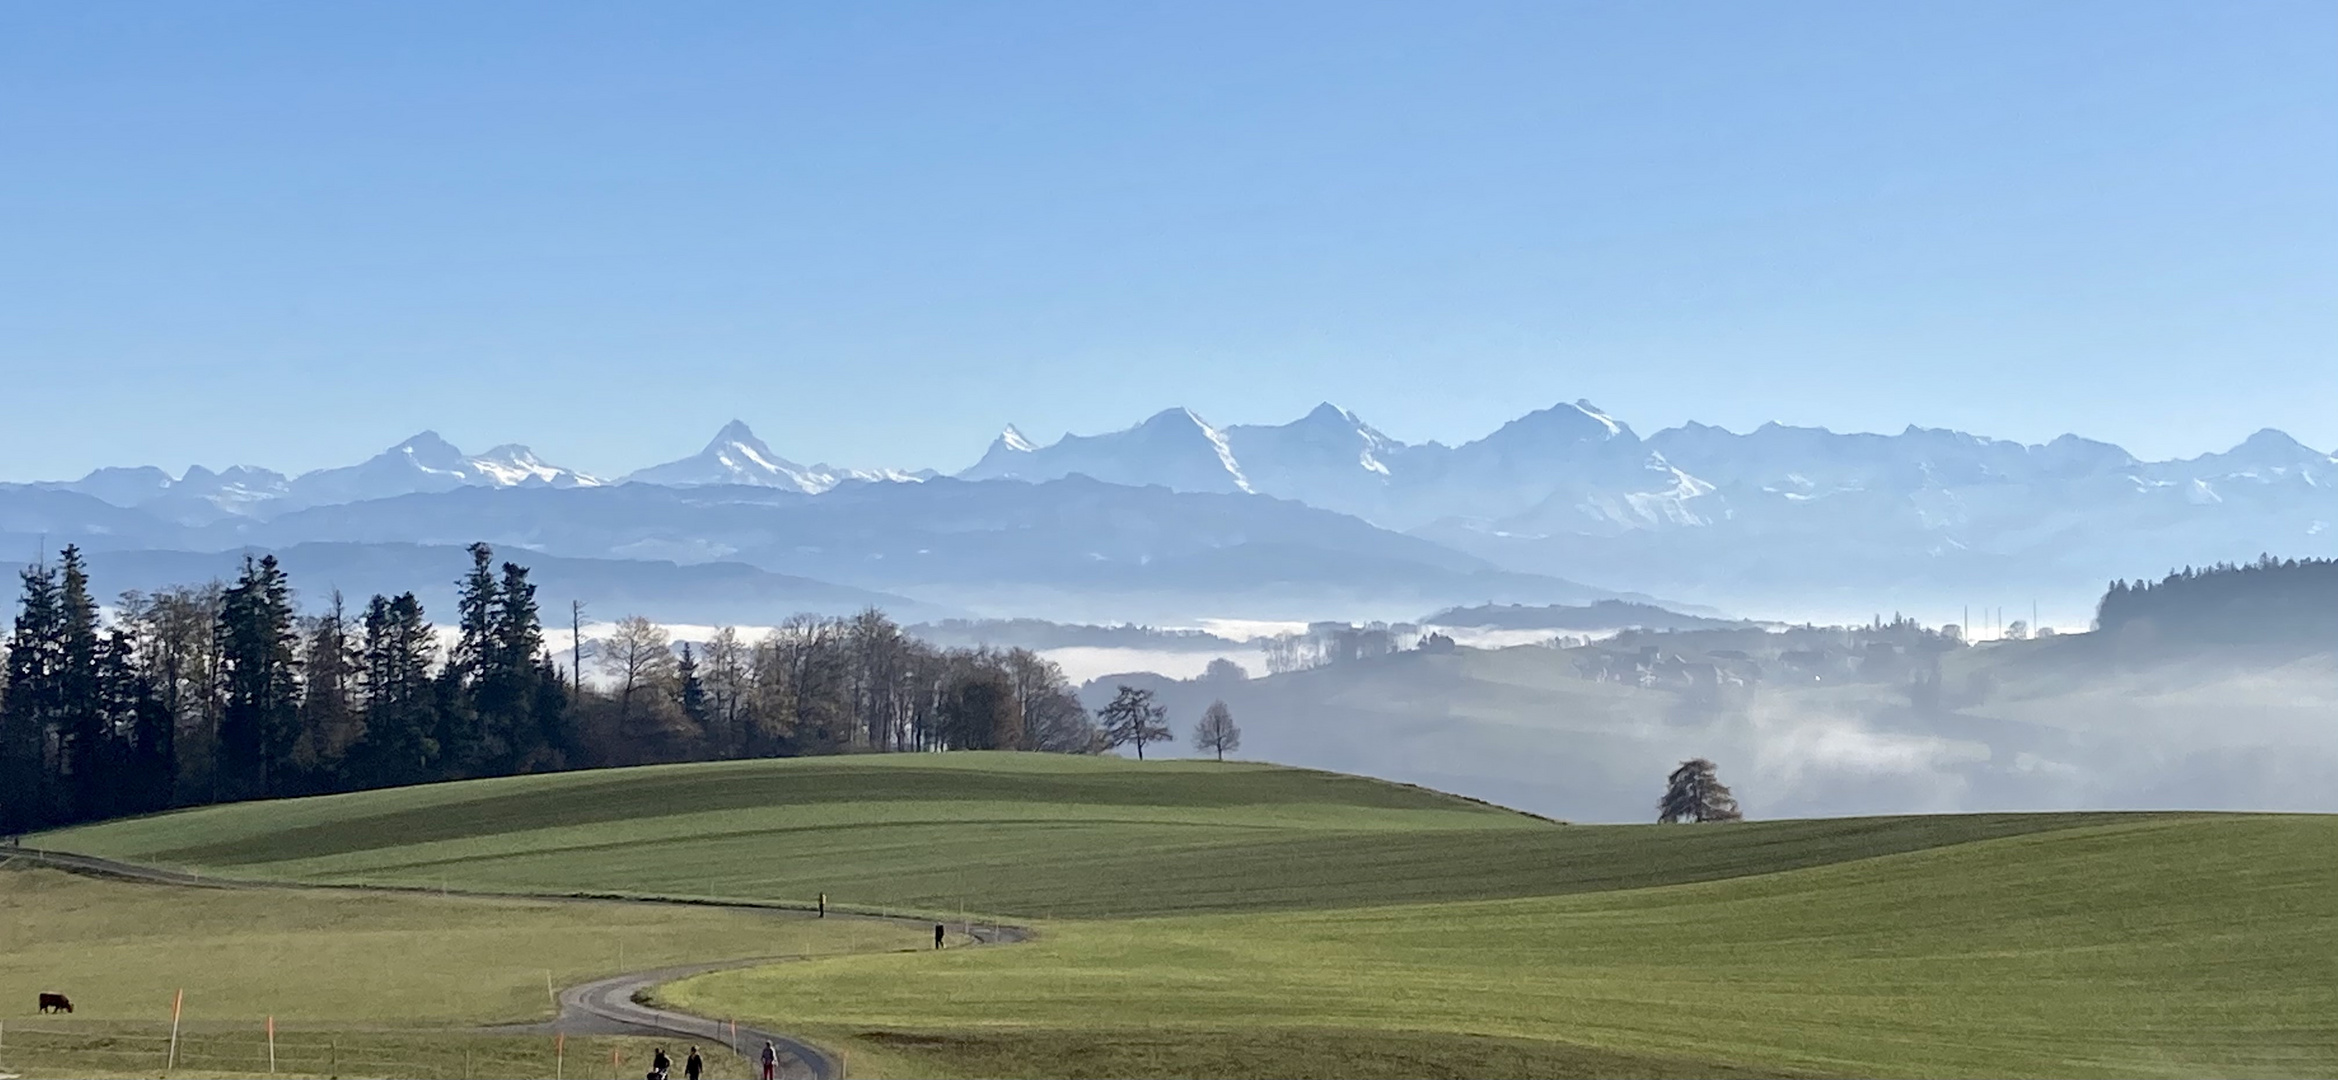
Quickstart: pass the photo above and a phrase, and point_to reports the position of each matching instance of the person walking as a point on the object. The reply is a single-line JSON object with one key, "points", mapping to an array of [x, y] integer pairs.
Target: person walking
{"points": [[770, 1062], [937, 935], [694, 1066], [660, 1064]]}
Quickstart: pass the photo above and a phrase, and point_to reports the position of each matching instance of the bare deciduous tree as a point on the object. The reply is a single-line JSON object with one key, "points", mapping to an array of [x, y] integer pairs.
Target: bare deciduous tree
{"points": [[639, 658], [729, 680], [1694, 793], [1215, 731]]}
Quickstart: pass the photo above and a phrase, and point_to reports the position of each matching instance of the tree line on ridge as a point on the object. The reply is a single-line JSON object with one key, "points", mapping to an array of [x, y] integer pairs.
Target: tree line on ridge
{"points": [[223, 691]]}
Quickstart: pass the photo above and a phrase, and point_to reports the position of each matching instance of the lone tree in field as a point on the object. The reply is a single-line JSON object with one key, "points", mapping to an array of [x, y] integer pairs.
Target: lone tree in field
{"points": [[1694, 794], [1215, 731], [1133, 718]]}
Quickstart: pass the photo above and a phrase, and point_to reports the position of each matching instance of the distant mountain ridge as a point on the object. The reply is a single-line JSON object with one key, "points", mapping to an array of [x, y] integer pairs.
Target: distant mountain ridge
{"points": [[736, 456], [426, 463], [1766, 518], [1771, 517]]}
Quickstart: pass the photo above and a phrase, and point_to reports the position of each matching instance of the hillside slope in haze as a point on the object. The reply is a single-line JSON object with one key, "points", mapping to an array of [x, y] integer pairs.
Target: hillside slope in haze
{"points": [[1076, 549], [712, 592], [2065, 723]]}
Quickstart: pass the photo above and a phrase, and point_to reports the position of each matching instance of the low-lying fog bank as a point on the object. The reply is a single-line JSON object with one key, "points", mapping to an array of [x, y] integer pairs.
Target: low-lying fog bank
{"points": [[1589, 733]]}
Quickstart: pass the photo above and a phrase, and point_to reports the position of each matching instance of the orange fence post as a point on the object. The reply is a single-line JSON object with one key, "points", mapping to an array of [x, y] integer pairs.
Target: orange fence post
{"points": [[177, 1003]]}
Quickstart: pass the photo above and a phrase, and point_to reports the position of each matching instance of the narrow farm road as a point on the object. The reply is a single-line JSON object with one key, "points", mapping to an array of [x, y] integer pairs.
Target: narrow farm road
{"points": [[604, 1006]]}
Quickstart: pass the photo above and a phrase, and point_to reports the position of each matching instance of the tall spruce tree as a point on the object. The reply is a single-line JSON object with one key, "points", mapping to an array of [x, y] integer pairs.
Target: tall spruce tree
{"points": [[509, 700], [29, 706], [260, 714], [690, 690], [399, 744], [85, 755]]}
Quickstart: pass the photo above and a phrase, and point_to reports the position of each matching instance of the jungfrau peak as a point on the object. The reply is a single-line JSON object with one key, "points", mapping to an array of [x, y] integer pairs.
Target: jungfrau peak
{"points": [[1174, 448]]}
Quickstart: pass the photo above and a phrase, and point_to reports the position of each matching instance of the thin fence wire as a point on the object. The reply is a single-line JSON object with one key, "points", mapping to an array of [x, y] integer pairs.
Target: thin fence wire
{"points": [[240, 1048]]}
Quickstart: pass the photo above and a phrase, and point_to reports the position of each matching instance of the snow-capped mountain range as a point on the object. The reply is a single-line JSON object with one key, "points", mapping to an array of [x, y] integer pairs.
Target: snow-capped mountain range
{"points": [[1574, 468], [1769, 517], [428, 463], [1695, 511], [736, 456]]}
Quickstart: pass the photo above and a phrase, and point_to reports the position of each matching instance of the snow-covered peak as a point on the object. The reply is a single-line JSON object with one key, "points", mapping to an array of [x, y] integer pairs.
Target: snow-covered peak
{"points": [[1539, 437], [2269, 456], [734, 456], [1173, 448], [1328, 449], [428, 446], [427, 462], [1591, 411], [511, 465], [1329, 415]]}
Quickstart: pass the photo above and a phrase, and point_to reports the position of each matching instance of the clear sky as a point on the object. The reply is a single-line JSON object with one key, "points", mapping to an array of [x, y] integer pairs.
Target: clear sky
{"points": [[292, 234]]}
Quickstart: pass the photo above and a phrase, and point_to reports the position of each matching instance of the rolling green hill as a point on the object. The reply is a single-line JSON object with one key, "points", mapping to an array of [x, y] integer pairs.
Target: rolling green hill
{"points": [[1007, 835], [1197, 919], [2200, 947]]}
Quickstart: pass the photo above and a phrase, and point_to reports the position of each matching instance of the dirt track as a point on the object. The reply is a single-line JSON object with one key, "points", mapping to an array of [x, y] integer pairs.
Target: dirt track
{"points": [[601, 1007]]}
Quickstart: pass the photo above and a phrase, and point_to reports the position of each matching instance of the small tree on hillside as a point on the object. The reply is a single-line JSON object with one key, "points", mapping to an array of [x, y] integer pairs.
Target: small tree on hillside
{"points": [[1215, 732], [1133, 718], [1693, 793]]}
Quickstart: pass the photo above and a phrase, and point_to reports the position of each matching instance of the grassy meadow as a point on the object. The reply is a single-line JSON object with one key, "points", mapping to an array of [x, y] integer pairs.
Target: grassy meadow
{"points": [[1001, 835], [2175, 947], [1196, 919], [401, 974]]}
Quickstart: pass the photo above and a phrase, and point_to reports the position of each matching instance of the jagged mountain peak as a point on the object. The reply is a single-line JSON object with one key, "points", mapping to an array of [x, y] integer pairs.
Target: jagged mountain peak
{"points": [[1328, 413], [1176, 418], [735, 431], [1173, 448], [1551, 430], [734, 456]]}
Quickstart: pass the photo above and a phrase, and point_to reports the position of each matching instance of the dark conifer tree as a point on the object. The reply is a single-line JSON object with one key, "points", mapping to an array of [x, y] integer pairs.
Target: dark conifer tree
{"points": [[260, 714], [29, 706], [510, 706], [149, 772], [84, 751], [690, 690], [1694, 793], [399, 744], [469, 740]]}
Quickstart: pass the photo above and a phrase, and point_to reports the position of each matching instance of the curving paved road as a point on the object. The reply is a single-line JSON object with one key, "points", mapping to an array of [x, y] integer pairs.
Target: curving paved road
{"points": [[601, 1007]]}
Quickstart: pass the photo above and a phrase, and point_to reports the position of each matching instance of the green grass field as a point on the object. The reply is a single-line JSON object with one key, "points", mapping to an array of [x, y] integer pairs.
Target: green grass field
{"points": [[394, 976], [1002, 835], [2166, 948], [1205, 920]]}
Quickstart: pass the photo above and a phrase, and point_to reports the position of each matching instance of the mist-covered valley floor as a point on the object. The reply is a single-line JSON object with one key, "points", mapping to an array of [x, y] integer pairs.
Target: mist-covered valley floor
{"points": [[1856, 727]]}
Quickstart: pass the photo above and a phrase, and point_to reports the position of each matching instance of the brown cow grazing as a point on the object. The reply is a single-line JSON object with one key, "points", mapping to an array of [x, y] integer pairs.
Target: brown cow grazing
{"points": [[55, 1002]]}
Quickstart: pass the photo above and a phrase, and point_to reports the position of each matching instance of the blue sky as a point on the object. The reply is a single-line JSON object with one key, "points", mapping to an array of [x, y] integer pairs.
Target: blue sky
{"points": [[291, 234]]}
